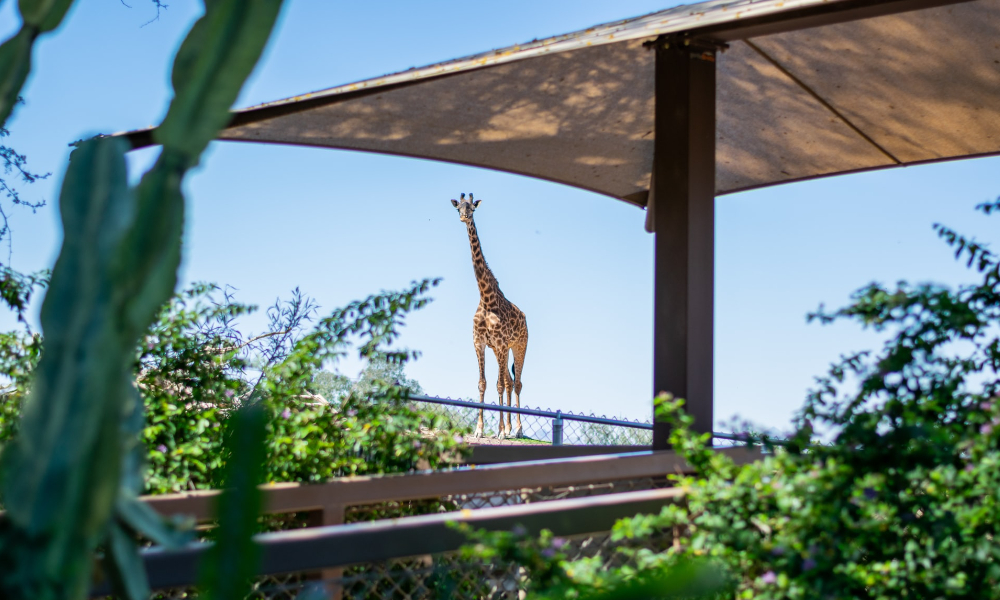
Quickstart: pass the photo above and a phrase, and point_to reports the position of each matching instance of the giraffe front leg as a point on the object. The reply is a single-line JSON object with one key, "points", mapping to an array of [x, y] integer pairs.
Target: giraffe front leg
{"points": [[481, 355], [502, 431]]}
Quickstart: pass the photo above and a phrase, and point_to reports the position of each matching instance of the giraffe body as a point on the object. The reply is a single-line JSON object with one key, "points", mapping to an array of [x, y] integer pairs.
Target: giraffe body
{"points": [[498, 325]]}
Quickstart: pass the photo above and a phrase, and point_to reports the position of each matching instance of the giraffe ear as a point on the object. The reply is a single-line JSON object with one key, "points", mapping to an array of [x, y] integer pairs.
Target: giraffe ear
{"points": [[476, 204], [454, 203]]}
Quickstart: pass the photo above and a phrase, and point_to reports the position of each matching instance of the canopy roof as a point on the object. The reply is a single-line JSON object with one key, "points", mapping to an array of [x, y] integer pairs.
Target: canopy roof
{"points": [[806, 88]]}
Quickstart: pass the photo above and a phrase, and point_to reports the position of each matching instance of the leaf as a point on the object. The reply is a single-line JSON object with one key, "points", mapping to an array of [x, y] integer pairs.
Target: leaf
{"points": [[141, 518], [234, 558], [124, 566]]}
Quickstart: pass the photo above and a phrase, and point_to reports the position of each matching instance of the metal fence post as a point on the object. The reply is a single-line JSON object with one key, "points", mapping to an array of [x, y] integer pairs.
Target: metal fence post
{"points": [[557, 429]]}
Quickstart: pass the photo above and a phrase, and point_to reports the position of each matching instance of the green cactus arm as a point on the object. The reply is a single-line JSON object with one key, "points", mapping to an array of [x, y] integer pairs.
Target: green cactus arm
{"points": [[43, 15], [77, 451], [216, 58], [37, 17], [61, 474]]}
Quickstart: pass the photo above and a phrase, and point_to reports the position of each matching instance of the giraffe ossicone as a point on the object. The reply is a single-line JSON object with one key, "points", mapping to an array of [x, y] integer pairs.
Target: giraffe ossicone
{"points": [[498, 324]]}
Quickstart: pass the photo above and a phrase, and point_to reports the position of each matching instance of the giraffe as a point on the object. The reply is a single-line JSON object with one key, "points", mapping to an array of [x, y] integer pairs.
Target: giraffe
{"points": [[497, 324]]}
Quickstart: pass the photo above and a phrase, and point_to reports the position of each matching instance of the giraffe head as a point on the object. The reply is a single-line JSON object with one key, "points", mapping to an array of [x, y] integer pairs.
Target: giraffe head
{"points": [[465, 207]]}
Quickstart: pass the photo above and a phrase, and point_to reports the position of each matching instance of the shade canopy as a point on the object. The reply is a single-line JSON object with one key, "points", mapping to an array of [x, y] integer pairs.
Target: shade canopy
{"points": [[805, 89]]}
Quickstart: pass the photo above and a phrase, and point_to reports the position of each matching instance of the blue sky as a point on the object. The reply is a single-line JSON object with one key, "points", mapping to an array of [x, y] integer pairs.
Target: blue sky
{"points": [[342, 225]]}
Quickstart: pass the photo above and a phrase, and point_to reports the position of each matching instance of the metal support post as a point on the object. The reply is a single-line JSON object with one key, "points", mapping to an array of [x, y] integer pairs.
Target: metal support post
{"points": [[682, 215], [557, 429]]}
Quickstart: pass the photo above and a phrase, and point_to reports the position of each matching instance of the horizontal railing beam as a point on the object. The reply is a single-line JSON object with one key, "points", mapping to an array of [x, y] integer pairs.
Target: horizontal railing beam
{"points": [[347, 491]]}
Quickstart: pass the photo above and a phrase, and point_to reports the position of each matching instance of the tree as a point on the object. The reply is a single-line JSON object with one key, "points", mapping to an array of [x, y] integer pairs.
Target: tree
{"points": [[377, 372]]}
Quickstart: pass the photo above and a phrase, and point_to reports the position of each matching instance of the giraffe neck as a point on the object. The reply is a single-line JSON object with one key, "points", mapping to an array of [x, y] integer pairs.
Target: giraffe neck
{"points": [[489, 289]]}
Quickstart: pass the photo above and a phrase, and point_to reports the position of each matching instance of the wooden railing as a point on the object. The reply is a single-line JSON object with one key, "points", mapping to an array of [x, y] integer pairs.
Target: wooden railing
{"points": [[327, 548], [331, 497], [332, 545]]}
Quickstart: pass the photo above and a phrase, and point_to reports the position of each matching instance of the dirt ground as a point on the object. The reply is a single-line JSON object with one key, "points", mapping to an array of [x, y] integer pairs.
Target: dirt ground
{"points": [[489, 440]]}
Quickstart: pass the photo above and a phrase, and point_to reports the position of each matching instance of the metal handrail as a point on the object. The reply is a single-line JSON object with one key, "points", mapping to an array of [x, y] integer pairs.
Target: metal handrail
{"points": [[536, 412], [558, 417]]}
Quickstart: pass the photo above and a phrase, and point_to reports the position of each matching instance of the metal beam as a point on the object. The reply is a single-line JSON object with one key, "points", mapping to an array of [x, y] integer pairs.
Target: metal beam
{"points": [[683, 217]]}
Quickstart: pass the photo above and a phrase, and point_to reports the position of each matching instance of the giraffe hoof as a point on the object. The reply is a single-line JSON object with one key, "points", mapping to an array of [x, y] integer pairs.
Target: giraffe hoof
{"points": [[501, 435], [517, 433], [479, 433]]}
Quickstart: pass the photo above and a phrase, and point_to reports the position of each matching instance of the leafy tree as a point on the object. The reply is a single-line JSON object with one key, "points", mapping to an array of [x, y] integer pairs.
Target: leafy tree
{"points": [[196, 368], [901, 502], [333, 386]]}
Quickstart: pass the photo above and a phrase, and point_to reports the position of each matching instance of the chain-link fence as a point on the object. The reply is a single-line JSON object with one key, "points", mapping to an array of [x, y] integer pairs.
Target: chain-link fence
{"points": [[449, 576], [538, 428], [431, 577]]}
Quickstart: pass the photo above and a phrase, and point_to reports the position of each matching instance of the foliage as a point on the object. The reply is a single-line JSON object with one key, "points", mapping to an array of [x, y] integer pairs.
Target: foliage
{"points": [[19, 350], [14, 163], [552, 575], [901, 502], [196, 368], [70, 476]]}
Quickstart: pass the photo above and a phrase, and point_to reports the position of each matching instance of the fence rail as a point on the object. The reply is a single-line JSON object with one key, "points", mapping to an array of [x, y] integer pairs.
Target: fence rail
{"points": [[549, 425], [581, 496], [537, 412], [320, 548], [556, 430], [346, 491]]}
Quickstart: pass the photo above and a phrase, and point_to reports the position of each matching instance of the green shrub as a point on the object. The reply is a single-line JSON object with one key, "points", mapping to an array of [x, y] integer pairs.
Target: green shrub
{"points": [[195, 368]]}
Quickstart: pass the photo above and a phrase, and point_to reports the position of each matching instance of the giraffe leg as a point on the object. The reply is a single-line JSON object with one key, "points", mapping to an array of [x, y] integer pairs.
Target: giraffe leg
{"points": [[508, 390], [501, 384], [519, 352], [481, 356]]}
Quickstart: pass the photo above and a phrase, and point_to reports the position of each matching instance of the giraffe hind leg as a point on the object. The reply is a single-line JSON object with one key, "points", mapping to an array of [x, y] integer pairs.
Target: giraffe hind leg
{"points": [[508, 390], [519, 352]]}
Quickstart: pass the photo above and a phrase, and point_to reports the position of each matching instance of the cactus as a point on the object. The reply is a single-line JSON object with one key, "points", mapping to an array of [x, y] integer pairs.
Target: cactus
{"points": [[37, 17], [70, 479]]}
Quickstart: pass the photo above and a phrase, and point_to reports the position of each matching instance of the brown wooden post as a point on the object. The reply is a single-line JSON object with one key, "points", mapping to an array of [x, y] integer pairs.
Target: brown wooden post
{"points": [[682, 205], [331, 514]]}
